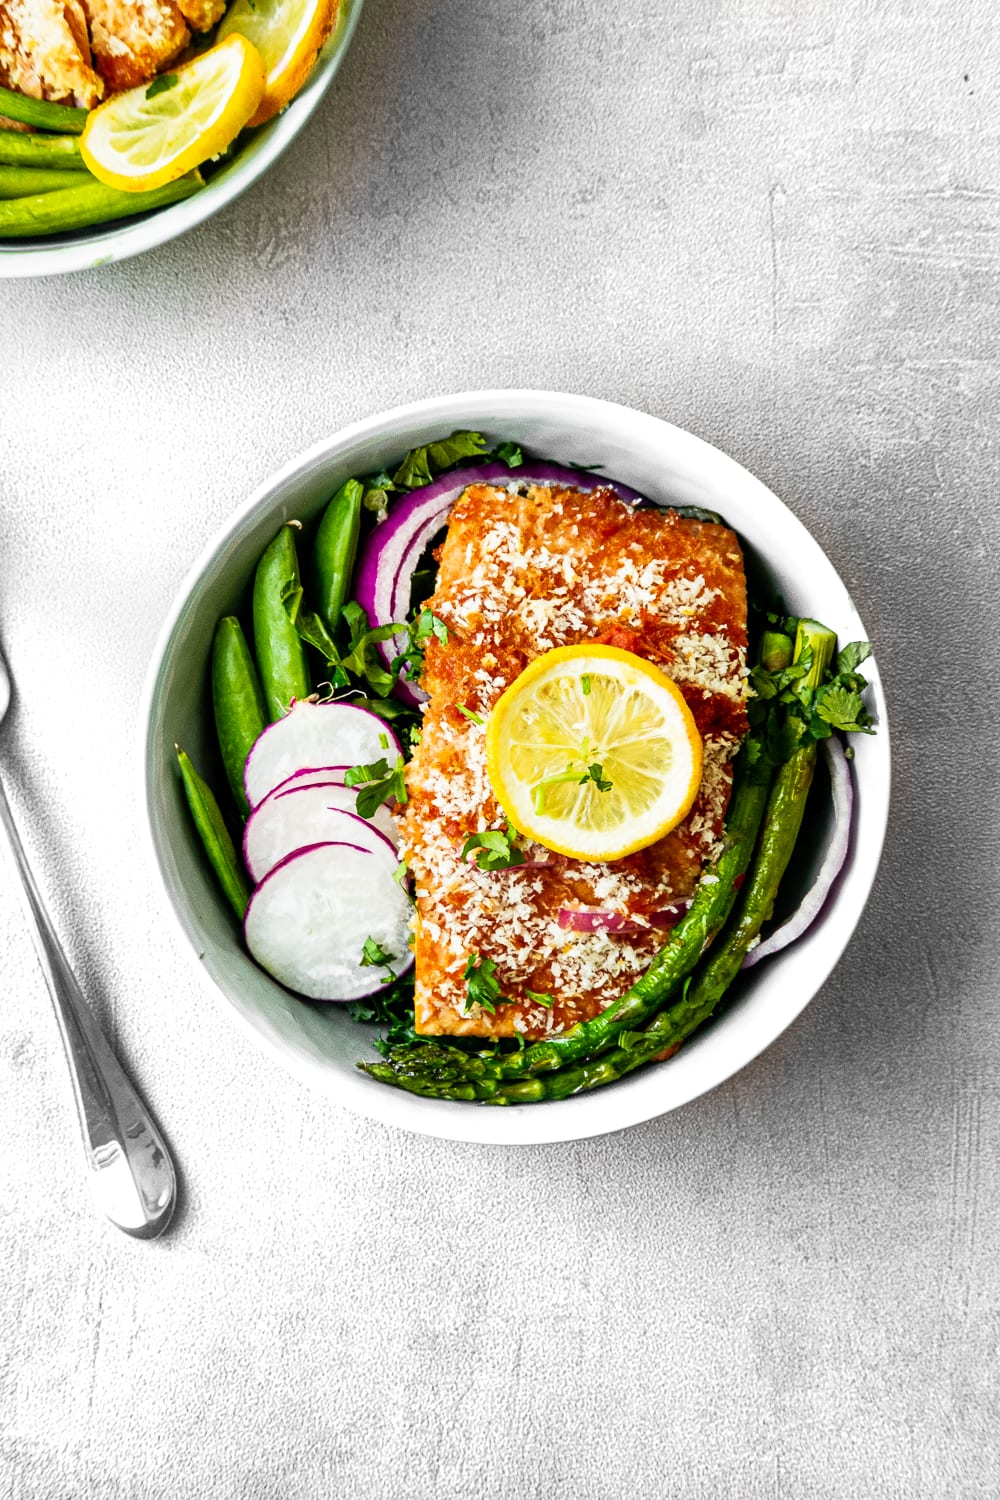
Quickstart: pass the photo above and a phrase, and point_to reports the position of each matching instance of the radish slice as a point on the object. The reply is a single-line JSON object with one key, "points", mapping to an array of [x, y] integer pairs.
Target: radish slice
{"points": [[301, 815], [388, 558], [315, 734], [312, 776], [833, 861], [308, 920]]}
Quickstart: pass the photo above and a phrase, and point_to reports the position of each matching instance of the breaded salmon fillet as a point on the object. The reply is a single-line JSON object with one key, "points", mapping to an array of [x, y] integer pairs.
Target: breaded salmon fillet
{"points": [[45, 52], [525, 568], [133, 40]]}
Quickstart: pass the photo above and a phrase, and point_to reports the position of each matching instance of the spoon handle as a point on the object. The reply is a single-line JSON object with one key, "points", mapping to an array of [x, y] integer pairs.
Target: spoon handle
{"points": [[131, 1172]]}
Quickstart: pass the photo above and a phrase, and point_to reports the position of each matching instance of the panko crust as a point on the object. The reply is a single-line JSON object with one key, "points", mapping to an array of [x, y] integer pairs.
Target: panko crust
{"points": [[525, 568]]}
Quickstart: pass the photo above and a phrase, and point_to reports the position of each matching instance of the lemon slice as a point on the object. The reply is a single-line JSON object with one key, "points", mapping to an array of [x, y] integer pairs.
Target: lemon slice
{"points": [[593, 752], [153, 134], [288, 35]]}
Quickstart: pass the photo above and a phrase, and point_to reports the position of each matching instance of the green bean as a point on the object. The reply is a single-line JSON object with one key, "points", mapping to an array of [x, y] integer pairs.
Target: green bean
{"points": [[281, 656], [214, 835], [335, 549], [20, 150], [76, 208], [41, 113], [238, 700], [22, 182]]}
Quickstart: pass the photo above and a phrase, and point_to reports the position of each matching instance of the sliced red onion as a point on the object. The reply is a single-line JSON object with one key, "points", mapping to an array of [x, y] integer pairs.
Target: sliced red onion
{"points": [[833, 861], [388, 558], [594, 919], [591, 919], [664, 920]]}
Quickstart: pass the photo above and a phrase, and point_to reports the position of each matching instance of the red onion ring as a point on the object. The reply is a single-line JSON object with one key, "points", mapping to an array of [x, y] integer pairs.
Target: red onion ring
{"points": [[813, 901], [388, 557]]}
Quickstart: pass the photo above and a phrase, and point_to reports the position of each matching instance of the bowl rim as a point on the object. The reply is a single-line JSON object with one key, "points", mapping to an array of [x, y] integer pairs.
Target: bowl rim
{"points": [[582, 1116], [118, 242]]}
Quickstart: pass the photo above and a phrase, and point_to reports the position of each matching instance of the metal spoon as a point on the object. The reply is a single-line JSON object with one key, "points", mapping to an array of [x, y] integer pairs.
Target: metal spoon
{"points": [[131, 1173]]}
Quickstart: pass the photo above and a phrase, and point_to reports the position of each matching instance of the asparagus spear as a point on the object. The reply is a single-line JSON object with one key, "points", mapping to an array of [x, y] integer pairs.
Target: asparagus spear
{"points": [[782, 821], [78, 207], [427, 1062], [809, 685], [40, 113], [22, 182], [20, 150]]}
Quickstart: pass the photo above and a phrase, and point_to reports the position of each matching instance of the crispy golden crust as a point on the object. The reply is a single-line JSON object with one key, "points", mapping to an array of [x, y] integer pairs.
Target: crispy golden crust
{"points": [[526, 568], [45, 52], [201, 15], [133, 40]]}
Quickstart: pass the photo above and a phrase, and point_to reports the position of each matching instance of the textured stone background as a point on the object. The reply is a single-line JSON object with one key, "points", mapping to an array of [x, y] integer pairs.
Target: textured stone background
{"points": [[776, 223]]}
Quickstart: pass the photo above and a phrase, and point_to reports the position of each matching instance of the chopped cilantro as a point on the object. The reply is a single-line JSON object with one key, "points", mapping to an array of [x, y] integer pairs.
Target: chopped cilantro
{"points": [[495, 849], [473, 718], [543, 999], [409, 664], [483, 988], [585, 684], [378, 784], [374, 956], [595, 773], [161, 85]]}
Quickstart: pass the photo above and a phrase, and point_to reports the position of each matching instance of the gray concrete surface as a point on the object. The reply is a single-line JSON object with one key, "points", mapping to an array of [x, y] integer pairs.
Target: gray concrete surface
{"points": [[776, 223]]}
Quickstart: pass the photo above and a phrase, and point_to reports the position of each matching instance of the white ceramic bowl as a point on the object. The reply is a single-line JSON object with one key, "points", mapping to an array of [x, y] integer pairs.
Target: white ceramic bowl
{"points": [[105, 243], [321, 1044]]}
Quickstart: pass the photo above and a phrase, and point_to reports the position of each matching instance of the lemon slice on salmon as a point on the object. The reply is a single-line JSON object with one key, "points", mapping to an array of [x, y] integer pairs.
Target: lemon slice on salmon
{"points": [[153, 134], [593, 752], [288, 34]]}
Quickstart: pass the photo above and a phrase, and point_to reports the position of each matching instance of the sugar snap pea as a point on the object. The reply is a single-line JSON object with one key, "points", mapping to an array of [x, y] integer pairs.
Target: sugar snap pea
{"points": [[238, 701], [281, 657], [214, 835], [335, 550]]}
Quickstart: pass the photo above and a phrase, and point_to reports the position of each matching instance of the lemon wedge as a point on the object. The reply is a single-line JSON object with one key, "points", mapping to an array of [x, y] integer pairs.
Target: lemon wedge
{"points": [[150, 135], [288, 35], [593, 752]]}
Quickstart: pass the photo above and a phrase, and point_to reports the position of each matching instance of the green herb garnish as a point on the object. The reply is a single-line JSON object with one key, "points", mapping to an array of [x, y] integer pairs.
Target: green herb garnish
{"points": [[482, 987], [161, 85], [495, 849], [378, 784], [374, 956]]}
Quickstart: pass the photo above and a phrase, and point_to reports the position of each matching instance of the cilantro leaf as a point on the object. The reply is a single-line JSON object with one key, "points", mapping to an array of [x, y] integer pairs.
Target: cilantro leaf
{"points": [[374, 956], [496, 849], [510, 454], [842, 709], [595, 773], [547, 1000], [853, 654], [482, 985], [410, 662], [421, 464], [161, 85], [378, 784]]}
